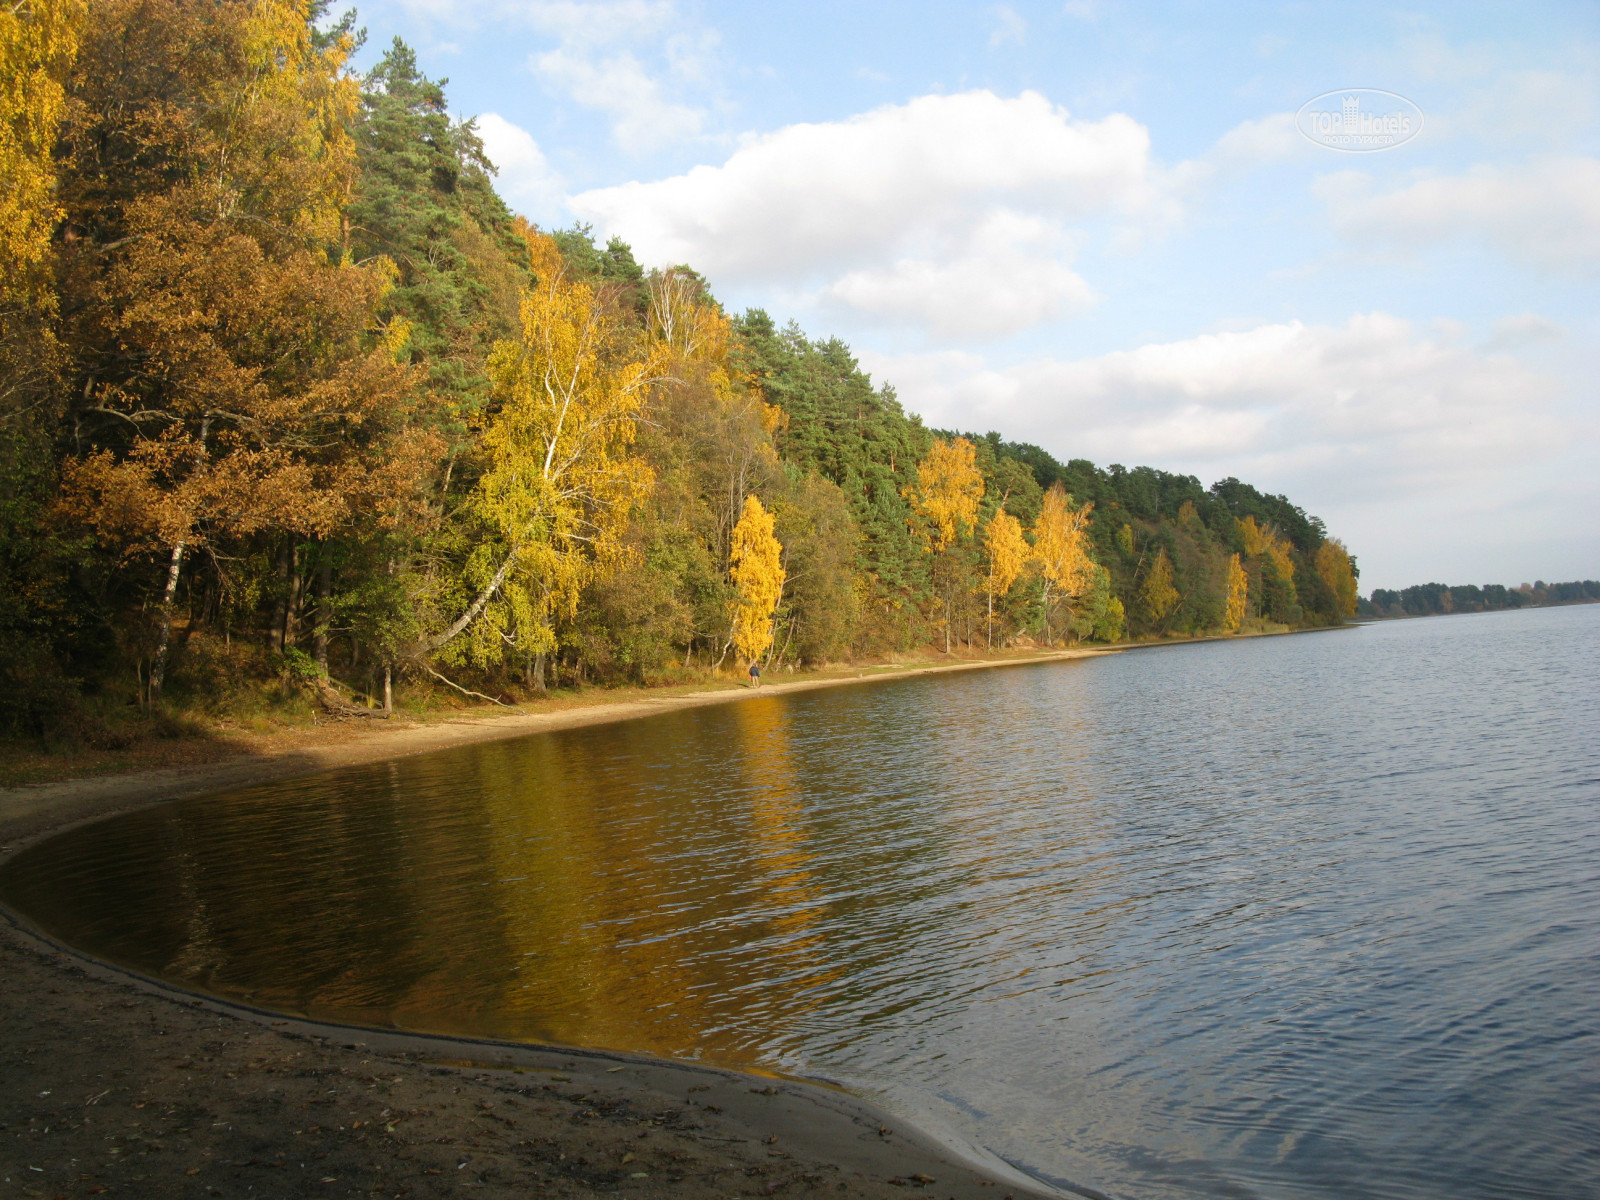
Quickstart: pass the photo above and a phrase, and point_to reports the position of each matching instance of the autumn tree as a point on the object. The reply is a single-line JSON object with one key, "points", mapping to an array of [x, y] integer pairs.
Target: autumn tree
{"points": [[949, 487], [756, 565], [38, 43], [1157, 594], [561, 479], [1238, 595], [1338, 571], [1272, 553], [1061, 548], [1007, 552], [229, 372]]}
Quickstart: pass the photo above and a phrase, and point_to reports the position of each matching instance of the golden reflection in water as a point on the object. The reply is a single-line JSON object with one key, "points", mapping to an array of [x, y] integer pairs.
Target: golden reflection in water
{"points": [[780, 844]]}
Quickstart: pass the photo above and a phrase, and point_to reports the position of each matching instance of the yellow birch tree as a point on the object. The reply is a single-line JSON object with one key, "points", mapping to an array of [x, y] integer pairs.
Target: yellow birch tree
{"points": [[37, 45], [1008, 553], [1238, 594], [562, 479], [1061, 548], [949, 487], [755, 563]]}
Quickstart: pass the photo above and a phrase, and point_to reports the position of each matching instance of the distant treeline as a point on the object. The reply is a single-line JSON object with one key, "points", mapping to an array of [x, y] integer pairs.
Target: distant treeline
{"points": [[1433, 599]]}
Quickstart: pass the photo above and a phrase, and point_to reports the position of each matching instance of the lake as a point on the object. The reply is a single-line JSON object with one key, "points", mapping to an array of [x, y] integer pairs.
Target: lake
{"points": [[1310, 916]]}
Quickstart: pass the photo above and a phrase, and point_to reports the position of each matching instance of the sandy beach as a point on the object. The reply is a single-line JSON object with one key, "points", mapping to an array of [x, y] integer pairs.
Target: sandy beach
{"points": [[119, 1085]]}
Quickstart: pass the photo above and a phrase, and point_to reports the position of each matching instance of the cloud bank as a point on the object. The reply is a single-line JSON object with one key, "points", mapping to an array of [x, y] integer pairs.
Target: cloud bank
{"points": [[954, 214]]}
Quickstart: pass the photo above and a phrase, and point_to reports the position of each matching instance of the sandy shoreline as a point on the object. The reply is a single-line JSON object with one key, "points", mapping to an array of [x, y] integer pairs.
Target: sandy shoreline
{"points": [[107, 1075]]}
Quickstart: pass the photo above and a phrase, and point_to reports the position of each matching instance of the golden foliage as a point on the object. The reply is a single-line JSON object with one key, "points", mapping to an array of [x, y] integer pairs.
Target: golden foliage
{"points": [[949, 486], [1338, 572], [239, 367], [1125, 539], [37, 44], [1263, 541], [755, 563], [1007, 552], [561, 479], [1157, 595], [1238, 595], [1061, 543]]}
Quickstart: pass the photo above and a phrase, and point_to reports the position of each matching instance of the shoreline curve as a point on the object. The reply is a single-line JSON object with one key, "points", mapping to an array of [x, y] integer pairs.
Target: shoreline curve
{"points": [[819, 1122]]}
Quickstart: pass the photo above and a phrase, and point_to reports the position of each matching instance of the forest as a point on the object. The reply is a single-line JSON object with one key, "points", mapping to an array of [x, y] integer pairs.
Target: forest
{"points": [[295, 410], [1435, 599]]}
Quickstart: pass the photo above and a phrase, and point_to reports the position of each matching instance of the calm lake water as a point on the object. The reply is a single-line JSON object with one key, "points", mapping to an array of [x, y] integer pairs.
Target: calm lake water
{"points": [[1293, 917]]}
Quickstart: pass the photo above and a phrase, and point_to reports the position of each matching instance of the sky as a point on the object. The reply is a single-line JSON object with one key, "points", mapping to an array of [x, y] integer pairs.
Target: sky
{"points": [[1098, 227]]}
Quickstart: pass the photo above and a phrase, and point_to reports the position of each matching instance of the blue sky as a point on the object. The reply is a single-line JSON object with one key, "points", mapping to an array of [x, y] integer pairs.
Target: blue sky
{"points": [[1096, 226]]}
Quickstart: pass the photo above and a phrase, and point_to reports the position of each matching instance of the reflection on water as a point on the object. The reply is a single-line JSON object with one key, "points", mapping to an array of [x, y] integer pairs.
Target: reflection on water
{"points": [[1297, 917]]}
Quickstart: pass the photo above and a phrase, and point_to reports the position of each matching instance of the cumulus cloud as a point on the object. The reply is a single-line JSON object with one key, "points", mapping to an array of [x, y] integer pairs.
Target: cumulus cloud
{"points": [[1373, 407], [943, 192], [1545, 212], [618, 85], [526, 178], [628, 59]]}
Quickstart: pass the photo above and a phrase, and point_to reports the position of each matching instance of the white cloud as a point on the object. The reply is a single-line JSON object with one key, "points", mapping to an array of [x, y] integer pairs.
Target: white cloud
{"points": [[1251, 143], [1370, 409], [629, 59], [1009, 27], [1012, 272], [1527, 329], [1546, 212], [618, 85], [526, 178], [931, 194]]}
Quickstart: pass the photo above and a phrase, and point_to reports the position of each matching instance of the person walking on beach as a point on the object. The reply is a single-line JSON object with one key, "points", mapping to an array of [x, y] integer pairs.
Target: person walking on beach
{"points": [[755, 674]]}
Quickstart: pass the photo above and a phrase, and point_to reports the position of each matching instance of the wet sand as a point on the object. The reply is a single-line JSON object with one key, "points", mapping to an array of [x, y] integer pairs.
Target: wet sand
{"points": [[111, 1084]]}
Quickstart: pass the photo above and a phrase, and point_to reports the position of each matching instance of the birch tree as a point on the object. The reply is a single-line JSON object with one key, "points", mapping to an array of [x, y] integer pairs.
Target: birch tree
{"points": [[1061, 548], [561, 477], [756, 565]]}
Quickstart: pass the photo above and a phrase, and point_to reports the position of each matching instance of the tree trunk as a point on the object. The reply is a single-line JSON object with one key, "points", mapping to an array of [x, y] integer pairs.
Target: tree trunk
{"points": [[536, 673], [477, 605], [280, 611], [291, 623], [388, 691], [991, 623], [324, 610], [158, 666]]}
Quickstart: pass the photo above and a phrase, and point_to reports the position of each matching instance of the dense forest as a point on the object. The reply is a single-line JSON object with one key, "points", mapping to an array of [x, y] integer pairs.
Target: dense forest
{"points": [[1435, 599], [292, 405]]}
